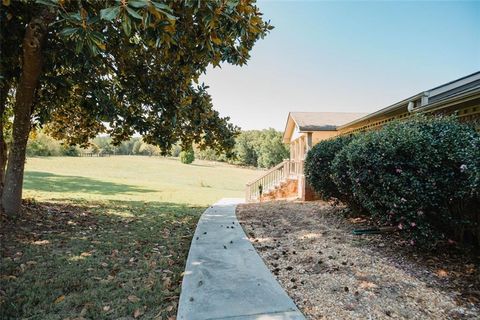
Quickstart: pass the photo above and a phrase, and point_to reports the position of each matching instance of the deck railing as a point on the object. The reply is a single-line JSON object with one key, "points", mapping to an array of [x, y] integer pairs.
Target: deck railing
{"points": [[287, 169]]}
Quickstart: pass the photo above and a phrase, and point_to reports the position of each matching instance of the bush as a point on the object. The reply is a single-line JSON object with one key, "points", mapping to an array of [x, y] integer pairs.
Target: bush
{"points": [[39, 144], [208, 154], [70, 151], [149, 150], [187, 156], [318, 167], [36, 148], [421, 175]]}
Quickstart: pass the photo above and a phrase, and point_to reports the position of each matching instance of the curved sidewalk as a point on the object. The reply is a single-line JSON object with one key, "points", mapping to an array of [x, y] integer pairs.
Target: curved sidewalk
{"points": [[225, 278]]}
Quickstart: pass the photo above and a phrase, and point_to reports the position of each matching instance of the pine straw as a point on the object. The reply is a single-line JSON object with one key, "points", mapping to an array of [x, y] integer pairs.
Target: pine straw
{"points": [[332, 274]]}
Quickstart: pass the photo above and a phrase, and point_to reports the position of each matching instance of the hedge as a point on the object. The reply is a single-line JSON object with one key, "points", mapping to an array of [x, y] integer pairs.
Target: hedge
{"points": [[318, 171], [421, 175]]}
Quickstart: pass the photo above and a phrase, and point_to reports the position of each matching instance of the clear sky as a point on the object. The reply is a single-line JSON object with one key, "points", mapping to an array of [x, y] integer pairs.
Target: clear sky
{"points": [[346, 56]]}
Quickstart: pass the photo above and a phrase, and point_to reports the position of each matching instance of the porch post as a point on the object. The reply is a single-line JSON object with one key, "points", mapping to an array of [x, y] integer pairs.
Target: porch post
{"points": [[309, 141], [292, 150]]}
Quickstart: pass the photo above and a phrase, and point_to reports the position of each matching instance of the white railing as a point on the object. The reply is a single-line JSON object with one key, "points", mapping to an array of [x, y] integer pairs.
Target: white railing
{"points": [[287, 169]]}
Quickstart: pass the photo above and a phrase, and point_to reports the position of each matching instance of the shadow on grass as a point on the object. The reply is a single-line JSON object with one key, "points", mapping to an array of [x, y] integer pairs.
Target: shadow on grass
{"points": [[101, 260], [207, 165], [45, 181]]}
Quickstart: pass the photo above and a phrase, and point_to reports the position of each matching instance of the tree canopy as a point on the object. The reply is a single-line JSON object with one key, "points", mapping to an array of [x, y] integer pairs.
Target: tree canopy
{"points": [[131, 64], [82, 67]]}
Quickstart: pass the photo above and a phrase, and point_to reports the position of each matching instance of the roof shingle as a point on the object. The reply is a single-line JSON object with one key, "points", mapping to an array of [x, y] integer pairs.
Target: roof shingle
{"points": [[323, 121]]}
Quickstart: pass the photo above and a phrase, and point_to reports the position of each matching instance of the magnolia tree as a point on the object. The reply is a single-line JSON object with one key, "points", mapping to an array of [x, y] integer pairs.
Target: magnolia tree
{"points": [[81, 67]]}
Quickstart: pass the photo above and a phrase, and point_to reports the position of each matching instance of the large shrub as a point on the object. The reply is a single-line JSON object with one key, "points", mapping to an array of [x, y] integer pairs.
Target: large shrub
{"points": [[39, 144], [421, 175], [343, 181], [70, 151], [187, 156], [318, 167]]}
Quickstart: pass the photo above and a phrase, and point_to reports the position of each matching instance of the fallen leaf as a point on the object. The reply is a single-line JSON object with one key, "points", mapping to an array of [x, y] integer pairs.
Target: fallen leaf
{"points": [[137, 313], [442, 273], [41, 242], [167, 282], [367, 285], [133, 298], [59, 299]]}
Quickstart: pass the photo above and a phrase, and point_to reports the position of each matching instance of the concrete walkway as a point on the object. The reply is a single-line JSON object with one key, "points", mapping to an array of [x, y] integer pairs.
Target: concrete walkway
{"points": [[225, 278]]}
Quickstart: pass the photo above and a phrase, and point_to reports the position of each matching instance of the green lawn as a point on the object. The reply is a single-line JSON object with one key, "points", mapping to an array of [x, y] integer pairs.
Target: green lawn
{"points": [[106, 238], [133, 178]]}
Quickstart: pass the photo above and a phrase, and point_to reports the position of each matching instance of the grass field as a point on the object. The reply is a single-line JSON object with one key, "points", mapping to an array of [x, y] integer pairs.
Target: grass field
{"points": [[106, 238], [133, 178]]}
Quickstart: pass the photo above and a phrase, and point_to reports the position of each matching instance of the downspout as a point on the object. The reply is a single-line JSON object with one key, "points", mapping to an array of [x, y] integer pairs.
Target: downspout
{"points": [[423, 102]]}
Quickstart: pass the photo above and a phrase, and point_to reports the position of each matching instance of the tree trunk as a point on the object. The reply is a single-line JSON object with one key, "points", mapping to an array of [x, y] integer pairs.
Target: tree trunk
{"points": [[25, 95], [3, 145]]}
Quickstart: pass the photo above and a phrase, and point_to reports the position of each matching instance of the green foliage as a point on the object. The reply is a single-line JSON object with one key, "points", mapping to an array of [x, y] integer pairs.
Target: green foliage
{"points": [[41, 144], [187, 156], [246, 148], [270, 148], [260, 148], [149, 150], [318, 167], [209, 155], [254, 148], [421, 175], [340, 176], [133, 146], [70, 151], [121, 67]]}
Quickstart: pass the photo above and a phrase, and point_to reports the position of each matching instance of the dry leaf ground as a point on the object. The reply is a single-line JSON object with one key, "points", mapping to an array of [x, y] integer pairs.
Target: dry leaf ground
{"points": [[94, 260], [332, 274]]}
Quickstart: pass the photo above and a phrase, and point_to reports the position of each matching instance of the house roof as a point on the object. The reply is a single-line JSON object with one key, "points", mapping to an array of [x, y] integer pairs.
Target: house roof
{"points": [[322, 121], [465, 86], [317, 121]]}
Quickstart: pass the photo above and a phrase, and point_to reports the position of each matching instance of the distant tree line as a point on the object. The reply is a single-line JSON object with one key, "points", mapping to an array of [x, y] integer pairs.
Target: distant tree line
{"points": [[254, 148]]}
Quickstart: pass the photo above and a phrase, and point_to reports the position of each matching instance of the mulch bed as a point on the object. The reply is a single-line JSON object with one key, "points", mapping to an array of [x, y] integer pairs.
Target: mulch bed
{"points": [[332, 274]]}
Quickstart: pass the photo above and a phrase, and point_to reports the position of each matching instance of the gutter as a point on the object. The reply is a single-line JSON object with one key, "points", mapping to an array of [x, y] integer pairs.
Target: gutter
{"points": [[475, 93], [393, 107]]}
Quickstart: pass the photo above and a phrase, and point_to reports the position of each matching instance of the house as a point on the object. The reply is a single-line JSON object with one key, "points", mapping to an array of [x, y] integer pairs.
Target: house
{"points": [[303, 130]]}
